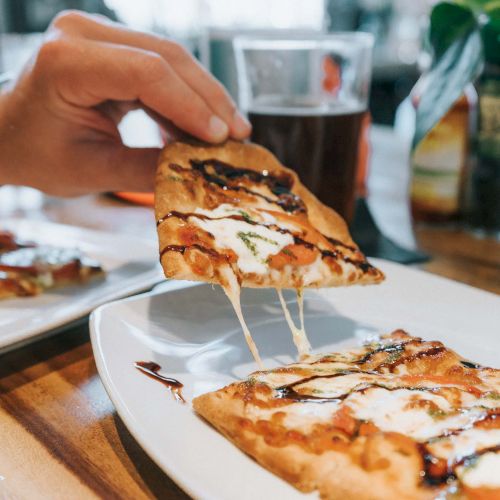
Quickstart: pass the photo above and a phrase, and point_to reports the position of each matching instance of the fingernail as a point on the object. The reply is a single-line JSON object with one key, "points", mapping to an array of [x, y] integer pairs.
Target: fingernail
{"points": [[241, 125], [218, 128]]}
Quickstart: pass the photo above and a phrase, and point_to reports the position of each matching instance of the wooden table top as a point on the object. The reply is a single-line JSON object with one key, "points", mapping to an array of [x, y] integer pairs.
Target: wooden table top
{"points": [[61, 436]]}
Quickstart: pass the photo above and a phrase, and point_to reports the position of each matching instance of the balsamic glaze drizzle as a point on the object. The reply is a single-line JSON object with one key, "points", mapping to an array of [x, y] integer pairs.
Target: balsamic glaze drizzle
{"points": [[224, 176], [182, 249], [400, 347], [388, 348], [151, 369]]}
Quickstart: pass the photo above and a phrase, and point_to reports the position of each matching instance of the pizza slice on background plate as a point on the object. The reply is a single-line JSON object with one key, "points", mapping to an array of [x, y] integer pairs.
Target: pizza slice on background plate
{"points": [[28, 269]]}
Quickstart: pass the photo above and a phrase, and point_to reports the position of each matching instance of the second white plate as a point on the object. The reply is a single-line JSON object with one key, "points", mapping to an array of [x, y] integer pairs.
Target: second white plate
{"points": [[131, 266]]}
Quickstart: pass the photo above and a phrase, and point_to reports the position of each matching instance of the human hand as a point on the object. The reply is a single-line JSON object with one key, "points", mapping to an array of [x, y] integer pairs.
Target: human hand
{"points": [[58, 122]]}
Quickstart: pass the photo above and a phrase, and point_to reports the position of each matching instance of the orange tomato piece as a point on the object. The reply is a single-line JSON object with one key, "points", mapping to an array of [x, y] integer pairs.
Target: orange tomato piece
{"points": [[188, 235], [344, 420], [482, 493], [295, 255]]}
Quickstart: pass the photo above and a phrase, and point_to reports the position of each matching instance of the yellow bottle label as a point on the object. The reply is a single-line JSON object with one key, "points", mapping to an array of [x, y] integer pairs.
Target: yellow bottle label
{"points": [[437, 165]]}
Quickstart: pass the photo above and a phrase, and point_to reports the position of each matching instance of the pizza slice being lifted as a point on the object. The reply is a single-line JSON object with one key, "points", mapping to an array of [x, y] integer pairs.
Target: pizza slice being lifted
{"points": [[233, 215]]}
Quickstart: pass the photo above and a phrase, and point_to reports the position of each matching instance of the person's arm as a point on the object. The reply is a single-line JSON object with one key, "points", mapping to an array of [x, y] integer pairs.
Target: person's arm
{"points": [[58, 121]]}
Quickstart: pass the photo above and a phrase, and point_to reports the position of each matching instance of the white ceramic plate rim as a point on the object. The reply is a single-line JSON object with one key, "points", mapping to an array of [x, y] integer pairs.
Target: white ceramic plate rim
{"points": [[175, 473]]}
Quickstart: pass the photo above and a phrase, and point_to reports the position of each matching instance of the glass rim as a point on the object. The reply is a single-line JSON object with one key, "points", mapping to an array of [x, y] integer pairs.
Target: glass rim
{"points": [[301, 41]]}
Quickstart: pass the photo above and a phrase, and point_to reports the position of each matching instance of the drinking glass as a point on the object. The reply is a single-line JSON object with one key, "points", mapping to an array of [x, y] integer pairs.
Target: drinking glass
{"points": [[306, 98]]}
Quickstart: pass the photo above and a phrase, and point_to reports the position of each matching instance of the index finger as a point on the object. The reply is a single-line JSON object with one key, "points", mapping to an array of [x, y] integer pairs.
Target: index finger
{"points": [[88, 73], [201, 81]]}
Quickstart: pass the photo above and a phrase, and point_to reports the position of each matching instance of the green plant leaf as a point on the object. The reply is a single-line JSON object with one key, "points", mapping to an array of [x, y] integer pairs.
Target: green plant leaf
{"points": [[458, 59], [477, 6], [449, 22]]}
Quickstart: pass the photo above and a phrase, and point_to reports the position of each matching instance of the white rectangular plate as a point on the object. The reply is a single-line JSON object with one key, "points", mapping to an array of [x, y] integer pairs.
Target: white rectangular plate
{"points": [[191, 331], [131, 266]]}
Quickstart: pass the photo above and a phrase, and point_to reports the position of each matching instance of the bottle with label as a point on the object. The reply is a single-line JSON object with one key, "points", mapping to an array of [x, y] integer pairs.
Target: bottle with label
{"points": [[483, 183], [439, 163]]}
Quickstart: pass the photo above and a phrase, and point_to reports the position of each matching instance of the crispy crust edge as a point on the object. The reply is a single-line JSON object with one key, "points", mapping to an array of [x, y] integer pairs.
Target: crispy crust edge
{"points": [[332, 473]]}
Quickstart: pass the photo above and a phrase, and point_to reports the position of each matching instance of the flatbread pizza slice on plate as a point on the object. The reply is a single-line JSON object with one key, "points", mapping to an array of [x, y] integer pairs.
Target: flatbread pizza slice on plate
{"points": [[397, 418], [233, 215]]}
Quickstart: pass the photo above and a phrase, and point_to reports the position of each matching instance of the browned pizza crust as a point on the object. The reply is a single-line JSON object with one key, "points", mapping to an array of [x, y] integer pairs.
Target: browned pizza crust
{"points": [[343, 462], [17, 287], [178, 189], [365, 473]]}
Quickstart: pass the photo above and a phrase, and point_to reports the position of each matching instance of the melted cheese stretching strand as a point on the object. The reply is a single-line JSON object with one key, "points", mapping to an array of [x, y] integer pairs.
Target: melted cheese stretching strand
{"points": [[253, 244], [300, 302], [299, 335], [232, 290]]}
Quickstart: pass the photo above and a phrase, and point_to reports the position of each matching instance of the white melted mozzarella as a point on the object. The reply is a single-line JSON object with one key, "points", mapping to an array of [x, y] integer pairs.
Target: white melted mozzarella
{"points": [[232, 290], [484, 473], [393, 411], [221, 211], [276, 379], [456, 447], [297, 416], [314, 272], [305, 416], [485, 401], [253, 244], [279, 378], [332, 387], [270, 219], [298, 334]]}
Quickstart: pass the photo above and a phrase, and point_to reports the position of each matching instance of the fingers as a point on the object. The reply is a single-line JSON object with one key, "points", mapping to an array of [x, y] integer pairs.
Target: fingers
{"points": [[89, 73], [182, 63]]}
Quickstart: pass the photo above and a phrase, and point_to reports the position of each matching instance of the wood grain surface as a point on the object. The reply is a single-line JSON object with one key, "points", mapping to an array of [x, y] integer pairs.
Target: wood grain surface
{"points": [[60, 435]]}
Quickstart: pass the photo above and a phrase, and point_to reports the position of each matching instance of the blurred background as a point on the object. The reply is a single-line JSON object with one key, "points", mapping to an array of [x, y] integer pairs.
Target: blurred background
{"points": [[207, 27], [442, 197]]}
